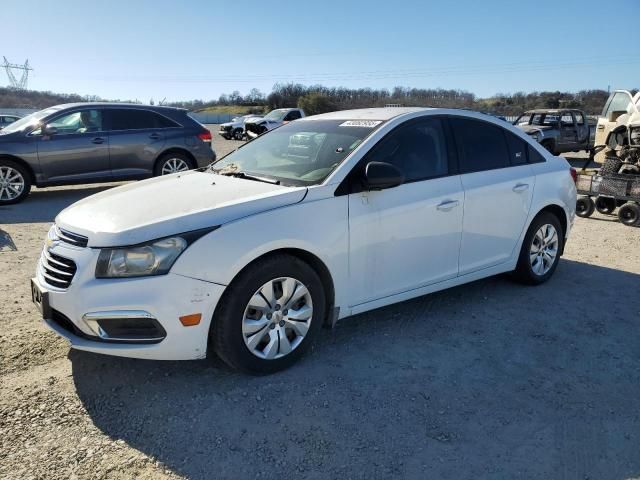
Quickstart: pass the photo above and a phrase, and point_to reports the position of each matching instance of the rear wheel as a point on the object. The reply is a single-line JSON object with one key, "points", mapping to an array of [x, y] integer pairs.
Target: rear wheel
{"points": [[585, 207], [173, 163], [269, 315], [605, 205], [15, 182], [540, 252], [629, 214]]}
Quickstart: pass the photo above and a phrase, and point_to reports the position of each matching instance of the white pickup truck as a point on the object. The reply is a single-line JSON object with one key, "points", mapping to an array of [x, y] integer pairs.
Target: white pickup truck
{"points": [[257, 126], [622, 108]]}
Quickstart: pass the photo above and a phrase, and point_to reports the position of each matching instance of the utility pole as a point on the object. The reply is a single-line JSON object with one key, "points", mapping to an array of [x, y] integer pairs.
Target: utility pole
{"points": [[21, 83]]}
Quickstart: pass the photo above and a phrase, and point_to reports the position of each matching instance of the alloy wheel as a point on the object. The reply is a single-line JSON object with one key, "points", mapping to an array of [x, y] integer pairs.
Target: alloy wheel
{"points": [[544, 249], [174, 165], [11, 183], [277, 318]]}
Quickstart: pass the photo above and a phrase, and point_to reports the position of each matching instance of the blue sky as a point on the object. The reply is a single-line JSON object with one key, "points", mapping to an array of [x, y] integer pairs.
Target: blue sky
{"points": [[199, 49]]}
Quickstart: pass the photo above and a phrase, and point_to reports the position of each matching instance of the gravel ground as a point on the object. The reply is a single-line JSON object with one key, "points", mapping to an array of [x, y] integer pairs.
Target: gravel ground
{"points": [[486, 380]]}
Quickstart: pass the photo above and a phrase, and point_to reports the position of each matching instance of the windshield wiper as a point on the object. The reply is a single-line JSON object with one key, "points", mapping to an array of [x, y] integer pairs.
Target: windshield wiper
{"points": [[248, 176]]}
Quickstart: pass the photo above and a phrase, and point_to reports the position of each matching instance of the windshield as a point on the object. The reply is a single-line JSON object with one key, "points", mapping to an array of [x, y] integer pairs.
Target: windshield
{"points": [[29, 120], [298, 153], [276, 115]]}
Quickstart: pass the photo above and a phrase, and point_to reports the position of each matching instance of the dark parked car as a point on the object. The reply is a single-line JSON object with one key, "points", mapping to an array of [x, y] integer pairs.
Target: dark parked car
{"points": [[98, 142], [6, 119]]}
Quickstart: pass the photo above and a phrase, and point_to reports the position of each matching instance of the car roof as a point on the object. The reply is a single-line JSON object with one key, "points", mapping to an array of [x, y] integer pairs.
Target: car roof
{"points": [[552, 110], [116, 104], [386, 113]]}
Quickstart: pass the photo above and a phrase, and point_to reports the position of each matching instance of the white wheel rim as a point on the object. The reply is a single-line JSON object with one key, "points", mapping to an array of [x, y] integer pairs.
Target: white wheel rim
{"points": [[11, 183], [174, 165], [277, 318], [544, 249]]}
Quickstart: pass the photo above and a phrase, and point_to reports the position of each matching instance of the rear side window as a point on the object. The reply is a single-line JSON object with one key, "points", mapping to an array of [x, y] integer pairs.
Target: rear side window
{"points": [[534, 156], [418, 149], [517, 149], [481, 145], [133, 119]]}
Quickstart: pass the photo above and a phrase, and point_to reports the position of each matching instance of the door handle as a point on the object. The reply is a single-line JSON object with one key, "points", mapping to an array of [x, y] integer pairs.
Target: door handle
{"points": [[154, 136], [448, 205], [97, 140], [600, 127], [521, 187]]}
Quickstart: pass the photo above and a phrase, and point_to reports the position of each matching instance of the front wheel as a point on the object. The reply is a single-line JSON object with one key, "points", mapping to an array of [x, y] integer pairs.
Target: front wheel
{"points": [[15, 182], [238, 134], [540, 252], [269, 315]]}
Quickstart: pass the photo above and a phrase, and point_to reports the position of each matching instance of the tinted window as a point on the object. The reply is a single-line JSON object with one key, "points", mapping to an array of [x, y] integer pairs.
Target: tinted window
{"points": [[517, 149], [481, 145], [534, 156], [292, 116], [131, 119], [418, 149]]}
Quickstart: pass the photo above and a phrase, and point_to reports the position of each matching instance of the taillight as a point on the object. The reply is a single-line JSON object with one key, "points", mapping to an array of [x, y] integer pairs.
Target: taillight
{"points": [[574, 174], [205, 136]]}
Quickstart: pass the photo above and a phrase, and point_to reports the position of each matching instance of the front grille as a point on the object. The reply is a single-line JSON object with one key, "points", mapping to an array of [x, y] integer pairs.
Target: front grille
{"points": [[57, 271], [71, 238]]}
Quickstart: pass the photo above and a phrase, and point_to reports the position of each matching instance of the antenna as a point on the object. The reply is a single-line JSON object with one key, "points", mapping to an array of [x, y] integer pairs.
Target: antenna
{"points": [[18, 84]]}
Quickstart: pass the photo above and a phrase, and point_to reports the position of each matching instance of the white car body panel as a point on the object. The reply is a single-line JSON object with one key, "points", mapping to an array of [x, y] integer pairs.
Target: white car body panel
{"points": [[378, 247]]}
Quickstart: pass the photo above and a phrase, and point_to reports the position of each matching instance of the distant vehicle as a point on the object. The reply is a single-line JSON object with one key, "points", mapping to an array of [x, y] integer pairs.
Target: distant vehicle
{"points": [[6, 120], [501, 117], [257, 126], [235, 128], [98, 142], [558, 130], [320, 219], [622, 108]]}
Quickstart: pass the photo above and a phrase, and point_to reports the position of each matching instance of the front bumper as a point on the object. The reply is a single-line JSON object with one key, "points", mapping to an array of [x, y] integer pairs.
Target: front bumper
{"points": [[72, 312]]}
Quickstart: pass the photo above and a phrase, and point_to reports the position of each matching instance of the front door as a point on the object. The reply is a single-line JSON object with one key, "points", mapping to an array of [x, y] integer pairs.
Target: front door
{"points": [[78, 151], [498, 186], [406, 237], [568, 133]]}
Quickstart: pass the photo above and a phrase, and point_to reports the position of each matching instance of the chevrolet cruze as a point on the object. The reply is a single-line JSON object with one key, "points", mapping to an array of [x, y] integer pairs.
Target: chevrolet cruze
{"points": [[317, 220]]}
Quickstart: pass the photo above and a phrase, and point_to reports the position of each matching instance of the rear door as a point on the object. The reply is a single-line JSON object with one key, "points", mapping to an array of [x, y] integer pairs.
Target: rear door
{"points": [[619, 102], [136, 139], [78, 152], [498, 186]]}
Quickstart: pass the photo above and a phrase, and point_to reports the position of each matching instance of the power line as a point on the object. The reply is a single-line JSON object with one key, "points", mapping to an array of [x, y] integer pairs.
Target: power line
{"points": [[21, 83]]}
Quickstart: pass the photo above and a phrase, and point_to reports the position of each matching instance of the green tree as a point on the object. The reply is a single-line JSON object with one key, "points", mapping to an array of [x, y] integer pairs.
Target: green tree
{"points": [[315, 103]]}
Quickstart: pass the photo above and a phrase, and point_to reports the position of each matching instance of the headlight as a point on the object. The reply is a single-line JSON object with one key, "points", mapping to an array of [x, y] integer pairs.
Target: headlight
{"points": [[151, 258]]}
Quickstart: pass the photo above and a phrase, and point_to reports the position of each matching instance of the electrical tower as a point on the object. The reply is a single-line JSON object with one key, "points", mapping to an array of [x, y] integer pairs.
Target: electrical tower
{"points": [[21, 83]]}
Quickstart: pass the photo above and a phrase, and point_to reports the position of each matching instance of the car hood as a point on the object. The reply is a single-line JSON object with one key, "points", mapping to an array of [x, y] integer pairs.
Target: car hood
{"points": [[163, 206], [6, 137], [531, 129]]}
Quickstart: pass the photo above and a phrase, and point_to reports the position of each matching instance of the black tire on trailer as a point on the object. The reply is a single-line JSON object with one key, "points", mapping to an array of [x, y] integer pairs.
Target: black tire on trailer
{"points": [[629, 214], [611, 165], [605, 205], [585, 207]]}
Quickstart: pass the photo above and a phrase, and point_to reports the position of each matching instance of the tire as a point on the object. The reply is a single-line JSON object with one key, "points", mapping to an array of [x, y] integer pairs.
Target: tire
{"points": [[528, 268], [15, 182], [234, 323], [629, 214], [585, 207], [238, 134], [611, 165], [605, 205], [549, 147], [172, 163]]}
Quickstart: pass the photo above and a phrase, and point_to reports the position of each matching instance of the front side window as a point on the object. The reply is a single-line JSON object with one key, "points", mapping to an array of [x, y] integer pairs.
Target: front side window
{"points": [[298, 153], [418, 149], [275, 115], [566, 120], [481, 145], [579, 118], [84, 121], [545, 119]]}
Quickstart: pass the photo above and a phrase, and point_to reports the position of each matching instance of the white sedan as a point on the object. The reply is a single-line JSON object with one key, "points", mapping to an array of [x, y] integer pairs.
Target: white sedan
{"points": [[320, 219]]}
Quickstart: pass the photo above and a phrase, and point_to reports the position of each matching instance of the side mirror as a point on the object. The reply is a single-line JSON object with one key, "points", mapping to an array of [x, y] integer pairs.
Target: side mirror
{"points": [[49, 130], [613, 116], [381, 175]]}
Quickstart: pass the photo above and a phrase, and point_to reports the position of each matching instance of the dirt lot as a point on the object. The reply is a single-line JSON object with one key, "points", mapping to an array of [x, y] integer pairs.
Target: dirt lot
{"points": [[487, 380]]}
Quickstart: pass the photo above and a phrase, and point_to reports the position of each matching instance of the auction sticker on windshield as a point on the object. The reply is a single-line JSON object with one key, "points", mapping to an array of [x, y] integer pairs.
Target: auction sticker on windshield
{"points": [[361, 123]]}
